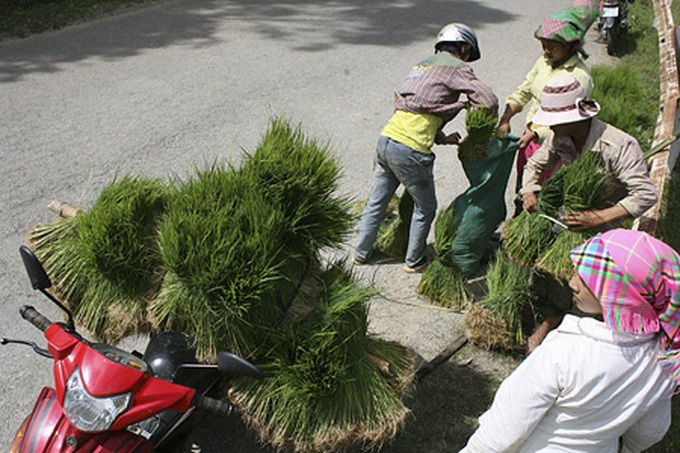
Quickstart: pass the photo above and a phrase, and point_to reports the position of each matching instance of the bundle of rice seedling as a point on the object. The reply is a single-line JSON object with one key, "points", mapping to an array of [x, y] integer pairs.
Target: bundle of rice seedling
{"points": [[223, 247], [555, 260], [445, 230], [526, 236], [300, 176], [241, 241], [507, 306], [56, 246], [480, 125], [583, 181], [581, 184], [393, 238], [487, 330], [551, 196], [323, 390], [444, 284], [109, 264]]}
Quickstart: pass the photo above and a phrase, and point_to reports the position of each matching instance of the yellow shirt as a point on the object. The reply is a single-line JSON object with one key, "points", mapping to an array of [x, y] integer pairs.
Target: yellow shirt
{"points": [[415, 130], [538, 77]]}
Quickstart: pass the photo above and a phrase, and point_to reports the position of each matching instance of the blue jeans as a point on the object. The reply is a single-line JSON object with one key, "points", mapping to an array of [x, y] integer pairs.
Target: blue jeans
{"points": [[398, 164]]}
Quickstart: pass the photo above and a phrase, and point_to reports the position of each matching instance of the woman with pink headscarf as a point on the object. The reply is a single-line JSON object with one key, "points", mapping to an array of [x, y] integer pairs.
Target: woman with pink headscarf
{"points": [[603, 382]]}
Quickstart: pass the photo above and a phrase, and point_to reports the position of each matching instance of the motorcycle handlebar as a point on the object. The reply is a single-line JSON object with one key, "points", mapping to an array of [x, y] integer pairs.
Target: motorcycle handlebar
{"points": [[219, 406], [32, 315]]}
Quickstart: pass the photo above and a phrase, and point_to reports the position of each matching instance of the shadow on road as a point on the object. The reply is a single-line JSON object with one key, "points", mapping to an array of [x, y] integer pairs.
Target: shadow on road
{"points": [[302, 25]]}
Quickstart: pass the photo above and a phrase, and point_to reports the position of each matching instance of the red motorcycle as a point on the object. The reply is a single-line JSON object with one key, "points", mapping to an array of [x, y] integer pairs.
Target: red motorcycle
{"points": [[109, 400]]}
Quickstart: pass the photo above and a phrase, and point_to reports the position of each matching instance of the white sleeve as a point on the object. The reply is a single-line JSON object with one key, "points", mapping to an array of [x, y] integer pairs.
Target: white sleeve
{"points": [[520, 403], [650, 429]]}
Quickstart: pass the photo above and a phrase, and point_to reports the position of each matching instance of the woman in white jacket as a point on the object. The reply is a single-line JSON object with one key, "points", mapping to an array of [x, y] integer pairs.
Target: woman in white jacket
{"points": [[601, 383]]}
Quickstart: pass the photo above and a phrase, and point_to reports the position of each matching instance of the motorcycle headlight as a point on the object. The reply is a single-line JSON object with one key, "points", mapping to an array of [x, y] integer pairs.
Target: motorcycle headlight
{"points": [[89, 413]]}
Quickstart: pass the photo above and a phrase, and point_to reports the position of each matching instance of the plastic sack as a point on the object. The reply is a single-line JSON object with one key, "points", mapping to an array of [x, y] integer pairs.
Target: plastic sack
{"points": [[481, 208]]}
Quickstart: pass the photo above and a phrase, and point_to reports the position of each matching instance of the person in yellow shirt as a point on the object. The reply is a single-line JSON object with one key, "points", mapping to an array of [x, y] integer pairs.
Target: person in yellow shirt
{"points": [[429, 97], [562, 39]]}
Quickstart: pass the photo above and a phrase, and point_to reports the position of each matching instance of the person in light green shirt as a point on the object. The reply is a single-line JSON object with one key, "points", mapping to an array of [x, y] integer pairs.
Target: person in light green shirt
{"points": [[562, 39]]}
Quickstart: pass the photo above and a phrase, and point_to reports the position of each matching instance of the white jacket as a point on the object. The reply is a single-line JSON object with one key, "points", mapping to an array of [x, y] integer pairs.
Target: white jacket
{"points": [[582, 390]]}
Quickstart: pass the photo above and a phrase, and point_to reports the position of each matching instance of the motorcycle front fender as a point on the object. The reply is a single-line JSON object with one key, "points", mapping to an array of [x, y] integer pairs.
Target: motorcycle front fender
{"points": [[610, 22], [47, 429]]}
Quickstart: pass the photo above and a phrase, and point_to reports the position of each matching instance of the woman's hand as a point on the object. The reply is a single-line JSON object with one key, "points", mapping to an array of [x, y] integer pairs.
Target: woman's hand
{"points": [[583, 220], [526, 138], [530, 201], [503, 129]]}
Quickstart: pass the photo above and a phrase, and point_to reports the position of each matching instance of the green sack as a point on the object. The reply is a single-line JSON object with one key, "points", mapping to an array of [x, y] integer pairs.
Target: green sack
{"points": [[481, 208]]}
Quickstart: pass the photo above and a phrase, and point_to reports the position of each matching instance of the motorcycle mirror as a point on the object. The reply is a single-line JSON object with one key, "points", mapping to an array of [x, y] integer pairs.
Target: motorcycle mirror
{"points": [[36, 272], [229, 363], [41, 281]]}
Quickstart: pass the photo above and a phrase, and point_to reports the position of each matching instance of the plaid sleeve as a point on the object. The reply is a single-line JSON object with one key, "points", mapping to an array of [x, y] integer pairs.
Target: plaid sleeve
{"points": [[478, 93]]}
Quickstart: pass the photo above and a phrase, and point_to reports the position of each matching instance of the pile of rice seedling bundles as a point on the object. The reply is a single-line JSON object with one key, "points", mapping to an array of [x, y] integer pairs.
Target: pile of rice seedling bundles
{"points": [[581, 184], [323, 390], [238, 251]]}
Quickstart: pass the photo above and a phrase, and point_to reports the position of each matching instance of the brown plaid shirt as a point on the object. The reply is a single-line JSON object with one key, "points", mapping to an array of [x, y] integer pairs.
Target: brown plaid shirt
{"points": [[434, 86]]}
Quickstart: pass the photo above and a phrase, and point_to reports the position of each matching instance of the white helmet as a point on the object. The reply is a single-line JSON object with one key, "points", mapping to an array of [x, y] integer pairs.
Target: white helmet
{"points": [[457, 32]]}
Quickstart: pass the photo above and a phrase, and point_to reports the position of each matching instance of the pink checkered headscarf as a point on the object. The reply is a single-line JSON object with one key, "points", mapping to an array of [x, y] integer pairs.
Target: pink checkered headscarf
{"points": [[636, 277]]}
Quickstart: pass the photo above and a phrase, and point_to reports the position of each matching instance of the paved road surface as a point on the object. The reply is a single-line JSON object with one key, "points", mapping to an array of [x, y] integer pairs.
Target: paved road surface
{"points": [[173, 86]]}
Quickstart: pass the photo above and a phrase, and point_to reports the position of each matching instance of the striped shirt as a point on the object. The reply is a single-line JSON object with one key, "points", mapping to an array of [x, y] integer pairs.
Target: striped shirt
{"points": [[434, 86], [429, 97]]}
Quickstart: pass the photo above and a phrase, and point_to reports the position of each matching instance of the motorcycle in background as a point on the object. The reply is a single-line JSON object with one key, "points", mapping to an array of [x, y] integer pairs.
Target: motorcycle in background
{"points": [[613, 23], [105, 399]]}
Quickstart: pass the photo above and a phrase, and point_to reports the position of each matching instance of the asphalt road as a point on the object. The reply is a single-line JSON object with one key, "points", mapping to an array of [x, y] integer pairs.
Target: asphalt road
{"points": [[177, 85]]}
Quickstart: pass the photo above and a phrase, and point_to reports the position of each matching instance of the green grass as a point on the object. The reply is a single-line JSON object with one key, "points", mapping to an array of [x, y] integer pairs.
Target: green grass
{"points": [[628, 92], [21, 18]]}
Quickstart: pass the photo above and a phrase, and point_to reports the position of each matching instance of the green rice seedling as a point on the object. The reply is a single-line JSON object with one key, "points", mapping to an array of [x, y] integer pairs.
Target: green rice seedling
{"points": [[583, 181], [56, 245], [555, 260], [551, 196], [107, 266], [445, 230], [222, 244], [393, 239], [526, 236], [480, 125], [444, 284], [119, 249], [508, 296], [323, 390], [299, 176]]}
